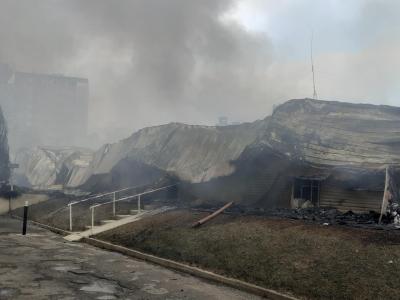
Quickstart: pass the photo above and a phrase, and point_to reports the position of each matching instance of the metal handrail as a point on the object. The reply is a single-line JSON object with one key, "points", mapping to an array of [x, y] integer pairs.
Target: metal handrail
{"points": [[133, 196], [104, 194], [95, 197], [126, 198]]}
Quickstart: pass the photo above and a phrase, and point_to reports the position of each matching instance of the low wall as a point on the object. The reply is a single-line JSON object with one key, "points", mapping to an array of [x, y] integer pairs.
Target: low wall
{"points": [[20, 202]]}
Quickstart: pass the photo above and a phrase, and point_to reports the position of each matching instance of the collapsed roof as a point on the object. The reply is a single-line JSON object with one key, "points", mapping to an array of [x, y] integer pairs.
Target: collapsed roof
{"points": [[333, 133], [322, 135]]}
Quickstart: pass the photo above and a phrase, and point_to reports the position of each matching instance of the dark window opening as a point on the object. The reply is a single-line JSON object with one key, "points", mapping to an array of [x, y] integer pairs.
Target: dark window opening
{"points": [[306, 189]]}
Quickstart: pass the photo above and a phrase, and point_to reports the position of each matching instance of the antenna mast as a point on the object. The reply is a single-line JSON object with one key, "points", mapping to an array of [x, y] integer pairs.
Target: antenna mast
{"points": [[312, 66]]}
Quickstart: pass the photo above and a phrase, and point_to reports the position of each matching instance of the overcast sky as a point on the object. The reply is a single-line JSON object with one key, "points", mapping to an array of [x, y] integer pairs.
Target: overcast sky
{"points": [[155, 61]]}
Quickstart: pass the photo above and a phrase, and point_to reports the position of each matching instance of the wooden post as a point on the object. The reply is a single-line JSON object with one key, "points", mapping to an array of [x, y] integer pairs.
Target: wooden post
{"points": [[385, 197], [292, 197], [92, 218], [114, 204], [70, 218], [213, 215]]}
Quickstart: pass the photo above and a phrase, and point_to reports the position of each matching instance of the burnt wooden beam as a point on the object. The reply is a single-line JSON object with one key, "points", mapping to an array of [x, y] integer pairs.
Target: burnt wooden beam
{"points": [[213, 215]]}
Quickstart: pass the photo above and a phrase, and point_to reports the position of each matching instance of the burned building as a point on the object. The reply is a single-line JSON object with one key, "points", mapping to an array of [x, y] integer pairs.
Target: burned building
{"points": [[319, 154], [43, 109], [345, 147], [307, 153]]}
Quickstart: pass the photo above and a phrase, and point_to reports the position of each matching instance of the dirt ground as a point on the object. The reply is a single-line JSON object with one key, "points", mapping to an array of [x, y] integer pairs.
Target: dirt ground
{"points": [[308, 260]]}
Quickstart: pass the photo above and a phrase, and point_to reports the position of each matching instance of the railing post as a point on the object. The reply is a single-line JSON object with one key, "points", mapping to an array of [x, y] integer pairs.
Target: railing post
{"points": [[114, 204], [92, 217], [70, 217], [138, 203]]}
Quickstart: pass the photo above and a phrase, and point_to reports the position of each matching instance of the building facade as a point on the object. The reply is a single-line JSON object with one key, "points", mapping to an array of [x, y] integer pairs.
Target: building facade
{"points": [[43, 109]]}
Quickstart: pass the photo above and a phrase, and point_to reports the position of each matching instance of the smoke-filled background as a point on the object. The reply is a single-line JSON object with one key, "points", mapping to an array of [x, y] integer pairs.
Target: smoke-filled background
{"points": [[155, 61]]}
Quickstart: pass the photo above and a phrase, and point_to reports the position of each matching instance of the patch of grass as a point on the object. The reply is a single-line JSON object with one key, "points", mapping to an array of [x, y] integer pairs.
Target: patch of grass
{"points": [[310, 261]]}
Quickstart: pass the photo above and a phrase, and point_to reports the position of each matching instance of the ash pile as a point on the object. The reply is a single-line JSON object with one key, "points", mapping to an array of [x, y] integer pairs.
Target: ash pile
{"points": [[322, 216], [325, 216], [331, 216]]}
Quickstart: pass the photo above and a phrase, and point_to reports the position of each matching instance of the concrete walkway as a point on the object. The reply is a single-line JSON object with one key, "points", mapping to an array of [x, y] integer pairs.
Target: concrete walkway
{"points": [[42, 265]]}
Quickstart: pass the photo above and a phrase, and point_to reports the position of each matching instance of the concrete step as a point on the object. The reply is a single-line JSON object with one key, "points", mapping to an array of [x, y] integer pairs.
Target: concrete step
{"points": [[106, 221], [124, 219], [119, 217], [135, 211], [74, 237], [89, 227]]}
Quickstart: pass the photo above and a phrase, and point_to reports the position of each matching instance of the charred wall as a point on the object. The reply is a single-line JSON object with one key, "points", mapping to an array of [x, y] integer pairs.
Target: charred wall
{"points": [[358, 190], [262, 178], [354, 200]]}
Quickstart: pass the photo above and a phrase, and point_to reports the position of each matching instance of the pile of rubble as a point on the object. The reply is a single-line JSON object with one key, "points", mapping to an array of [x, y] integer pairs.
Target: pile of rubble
{"points": [[322, 216], [328, 216]]}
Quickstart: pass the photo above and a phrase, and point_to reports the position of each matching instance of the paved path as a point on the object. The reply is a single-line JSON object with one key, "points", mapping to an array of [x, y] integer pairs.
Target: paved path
{"points": [[42, 265]]}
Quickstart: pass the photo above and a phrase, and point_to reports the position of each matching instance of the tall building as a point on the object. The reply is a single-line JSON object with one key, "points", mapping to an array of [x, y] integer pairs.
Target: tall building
{"points": [[43, 109]]}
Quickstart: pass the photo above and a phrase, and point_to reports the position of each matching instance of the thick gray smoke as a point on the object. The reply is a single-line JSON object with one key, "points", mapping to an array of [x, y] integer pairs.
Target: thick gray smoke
{"points": [[148, 62], [155, 61]]}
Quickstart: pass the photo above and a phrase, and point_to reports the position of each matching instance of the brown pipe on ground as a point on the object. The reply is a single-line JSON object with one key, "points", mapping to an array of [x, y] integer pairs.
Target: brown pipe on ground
{"points": [[213, 215]]}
